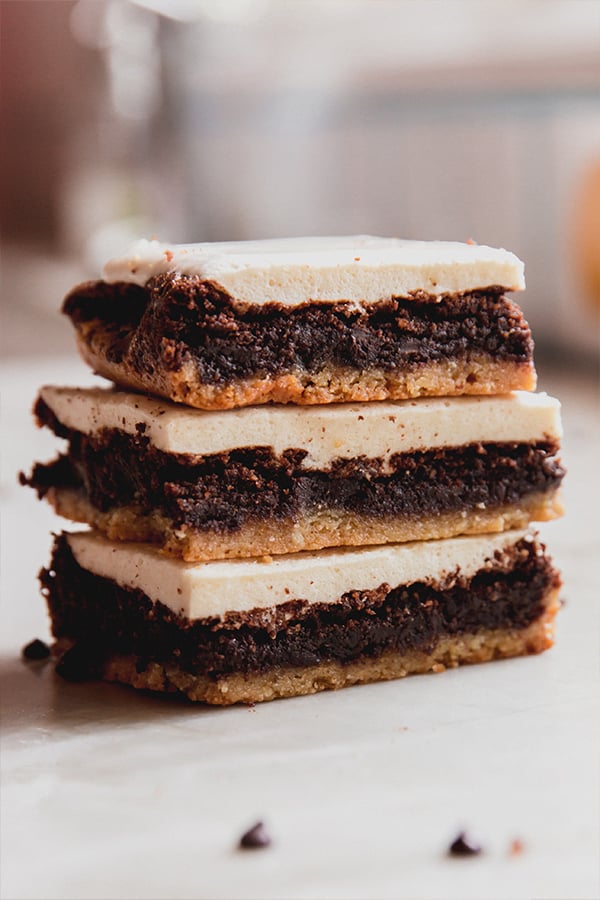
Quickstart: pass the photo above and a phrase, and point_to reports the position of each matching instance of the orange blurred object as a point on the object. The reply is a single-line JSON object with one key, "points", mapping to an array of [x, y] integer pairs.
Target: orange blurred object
{"points": [[586, 251]]}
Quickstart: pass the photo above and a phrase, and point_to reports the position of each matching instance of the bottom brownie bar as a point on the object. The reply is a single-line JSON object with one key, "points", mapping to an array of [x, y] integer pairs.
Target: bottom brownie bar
{"points": [[253, 630]]}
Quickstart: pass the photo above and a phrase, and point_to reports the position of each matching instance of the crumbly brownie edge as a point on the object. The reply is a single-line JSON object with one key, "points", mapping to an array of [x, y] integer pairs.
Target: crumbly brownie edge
{"points": [[325, 529], [476, 374], [449, 652], [175, 319]]}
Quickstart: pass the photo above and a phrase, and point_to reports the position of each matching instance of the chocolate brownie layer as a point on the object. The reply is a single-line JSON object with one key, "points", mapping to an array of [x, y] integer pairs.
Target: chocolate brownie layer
{"points": [[183, 338], [233, 503], [294, 681], [105, 625]]}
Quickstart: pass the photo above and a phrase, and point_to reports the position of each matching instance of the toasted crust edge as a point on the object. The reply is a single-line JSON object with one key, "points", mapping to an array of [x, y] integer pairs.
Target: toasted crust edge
{"points": [[450, 652], [476, 374], [329, 528]]}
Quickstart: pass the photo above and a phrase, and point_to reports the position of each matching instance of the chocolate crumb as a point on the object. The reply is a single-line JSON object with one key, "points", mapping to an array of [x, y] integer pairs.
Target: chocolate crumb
{"points": [[81, 662], [516, 847], [464, 846], [36, 650], [255, 838]]}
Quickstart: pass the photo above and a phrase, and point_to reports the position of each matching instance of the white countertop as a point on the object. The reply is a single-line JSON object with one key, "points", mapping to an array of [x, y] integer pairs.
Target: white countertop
{"points": [[107, 793]]}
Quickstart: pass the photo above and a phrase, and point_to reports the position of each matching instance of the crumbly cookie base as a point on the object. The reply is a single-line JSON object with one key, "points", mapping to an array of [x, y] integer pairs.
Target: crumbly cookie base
{"points": [[315, 532], [477, 374], [450, 652]]}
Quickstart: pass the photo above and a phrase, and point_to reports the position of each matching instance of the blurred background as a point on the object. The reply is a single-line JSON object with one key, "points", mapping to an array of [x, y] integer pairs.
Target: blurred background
{"points": [[200, 120]]}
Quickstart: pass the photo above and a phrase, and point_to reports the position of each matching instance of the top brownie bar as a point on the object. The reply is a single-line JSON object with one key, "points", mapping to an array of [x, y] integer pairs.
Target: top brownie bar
{"points": [[306, 321]]}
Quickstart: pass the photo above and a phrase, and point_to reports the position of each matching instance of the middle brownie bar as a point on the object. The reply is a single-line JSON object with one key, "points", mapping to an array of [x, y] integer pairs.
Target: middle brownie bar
{"points": [[271, 480]]}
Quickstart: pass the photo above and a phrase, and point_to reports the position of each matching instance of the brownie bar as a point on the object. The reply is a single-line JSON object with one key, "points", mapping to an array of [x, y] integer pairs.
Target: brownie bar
{"points": [[219, 508], [249, 501], [505, 607], [309, 321]]}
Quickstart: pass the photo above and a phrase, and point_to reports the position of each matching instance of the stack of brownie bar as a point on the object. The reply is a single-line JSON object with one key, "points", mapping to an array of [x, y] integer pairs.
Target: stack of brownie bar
{"points": [[317, 467]]}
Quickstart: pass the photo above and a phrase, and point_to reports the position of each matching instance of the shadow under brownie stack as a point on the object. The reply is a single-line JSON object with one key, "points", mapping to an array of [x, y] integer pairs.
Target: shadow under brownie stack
{"points": [[317, 467]]}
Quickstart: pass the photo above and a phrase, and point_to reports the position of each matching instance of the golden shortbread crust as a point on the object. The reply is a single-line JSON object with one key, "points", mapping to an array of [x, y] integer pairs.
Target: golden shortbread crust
{"points": [[476, 374], [330, 528]]}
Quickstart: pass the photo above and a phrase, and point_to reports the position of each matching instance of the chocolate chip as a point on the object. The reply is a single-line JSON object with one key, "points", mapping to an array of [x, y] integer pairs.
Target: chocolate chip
{"points": [[82, 662], [255, 838], [464, 846], [36, 650]]}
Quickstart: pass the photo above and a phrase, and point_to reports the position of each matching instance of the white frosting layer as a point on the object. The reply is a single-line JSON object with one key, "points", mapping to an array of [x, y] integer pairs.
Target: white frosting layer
{"points": [[215, 588], [374, 430], [357, 268]]}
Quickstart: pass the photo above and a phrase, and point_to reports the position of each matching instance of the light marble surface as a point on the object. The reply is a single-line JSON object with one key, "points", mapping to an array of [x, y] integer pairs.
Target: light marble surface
{"points": [[107, 793]]}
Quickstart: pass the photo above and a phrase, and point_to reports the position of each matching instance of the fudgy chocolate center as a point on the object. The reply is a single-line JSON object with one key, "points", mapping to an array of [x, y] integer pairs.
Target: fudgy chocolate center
{"points": [[178, 319], [105, 619]]}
